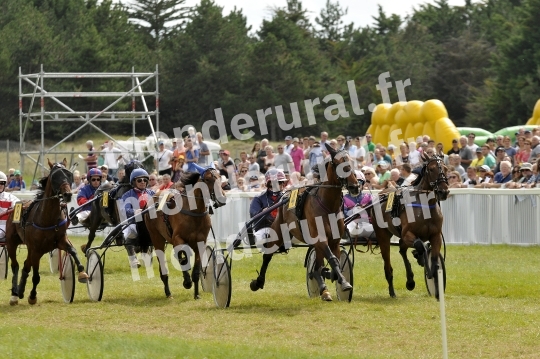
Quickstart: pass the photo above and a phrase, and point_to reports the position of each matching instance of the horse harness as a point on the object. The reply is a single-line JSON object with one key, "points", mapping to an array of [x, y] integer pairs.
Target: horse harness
{"points": [[169, 202]]}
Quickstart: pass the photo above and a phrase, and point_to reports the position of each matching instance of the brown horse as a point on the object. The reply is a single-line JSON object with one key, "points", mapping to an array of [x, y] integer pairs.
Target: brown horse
{"points": [[184, 222], [321, 209], [420, 220], [42, 229]]}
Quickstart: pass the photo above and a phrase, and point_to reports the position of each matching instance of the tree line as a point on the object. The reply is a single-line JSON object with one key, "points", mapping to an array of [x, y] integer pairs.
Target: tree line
{"points": [[481, 59]]}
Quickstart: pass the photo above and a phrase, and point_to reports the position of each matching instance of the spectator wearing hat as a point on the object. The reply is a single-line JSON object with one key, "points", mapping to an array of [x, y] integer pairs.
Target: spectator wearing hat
{"points": [[479, 160], [112, 155], [535, 178], [500, 153], [288, 145], [297, 155], [485, 176], [384, 174], [526, 175], [17, 183], [455, 148], [253, 184], [174, 144], [107, 178], [91, 158], [162, 159], [226, 166]]}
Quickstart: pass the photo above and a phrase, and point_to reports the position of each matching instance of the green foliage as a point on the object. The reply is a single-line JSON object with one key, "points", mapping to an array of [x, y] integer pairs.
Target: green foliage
{"points": [[482, 59]]}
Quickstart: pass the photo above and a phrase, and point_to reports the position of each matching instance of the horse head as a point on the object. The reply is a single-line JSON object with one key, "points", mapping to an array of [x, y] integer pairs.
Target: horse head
{"points": [[60, 180], [344, 170], [434, 173], [212, 178]]}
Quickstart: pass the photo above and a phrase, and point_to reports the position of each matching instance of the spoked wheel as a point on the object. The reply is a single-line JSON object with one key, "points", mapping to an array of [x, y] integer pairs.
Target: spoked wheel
{"points": [[430, 283], [3, 263], [67, 279], [53, 261], [207, 273], [95, 282], [345, 264], [311, 282], [221, 287]]}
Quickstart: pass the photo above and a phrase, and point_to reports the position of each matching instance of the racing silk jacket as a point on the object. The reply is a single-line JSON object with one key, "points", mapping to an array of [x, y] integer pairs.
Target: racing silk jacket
{"points": [[259, 203], [85, 194], [142, 196], [7, 201]]}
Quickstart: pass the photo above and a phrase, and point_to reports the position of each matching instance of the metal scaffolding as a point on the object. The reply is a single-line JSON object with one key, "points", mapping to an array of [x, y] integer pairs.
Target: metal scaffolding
{"points": [[86, 119]]}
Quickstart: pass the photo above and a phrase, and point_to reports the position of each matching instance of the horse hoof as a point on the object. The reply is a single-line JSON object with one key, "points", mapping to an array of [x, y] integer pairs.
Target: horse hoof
{"points": [[255, 285], [14, 300], [410, 285], [187, 285], [346, 286], [392, 294], [32, 301], [325, 296], [197, 297], [83, 277], [21, 296]]}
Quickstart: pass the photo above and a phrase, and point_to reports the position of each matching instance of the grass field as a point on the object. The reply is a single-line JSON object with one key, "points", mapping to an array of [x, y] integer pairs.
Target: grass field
{"points": [[491, 302]]}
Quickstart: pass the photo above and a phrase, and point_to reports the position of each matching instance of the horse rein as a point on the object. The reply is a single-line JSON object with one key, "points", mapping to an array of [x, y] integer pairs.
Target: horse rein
{"points": [[441, 177]]}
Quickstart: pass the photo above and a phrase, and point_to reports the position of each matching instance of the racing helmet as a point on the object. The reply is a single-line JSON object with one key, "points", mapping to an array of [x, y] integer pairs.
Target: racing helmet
{"points": [[94, 172], [3, 177], [275, 174], [138, 172]]}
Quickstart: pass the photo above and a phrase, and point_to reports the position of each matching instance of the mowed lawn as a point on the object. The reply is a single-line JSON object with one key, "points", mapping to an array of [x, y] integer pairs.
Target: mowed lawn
{"points": [[492, 308]]}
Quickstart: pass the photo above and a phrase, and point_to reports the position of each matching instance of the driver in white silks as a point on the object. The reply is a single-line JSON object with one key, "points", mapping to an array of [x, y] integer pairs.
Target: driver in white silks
{"points": [[7, 202], [275, 184], [360, 227]]}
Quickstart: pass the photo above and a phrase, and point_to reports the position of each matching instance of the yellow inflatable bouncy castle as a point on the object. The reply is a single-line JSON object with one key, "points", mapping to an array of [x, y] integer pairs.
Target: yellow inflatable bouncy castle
{"points": [[535, 119], [413, 118]]}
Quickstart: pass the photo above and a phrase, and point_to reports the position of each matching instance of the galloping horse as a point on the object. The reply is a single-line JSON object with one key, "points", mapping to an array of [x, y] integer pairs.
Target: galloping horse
{"points": [[322, 202], [183, 224], [414, 228], [42, 228], [108, 215]]}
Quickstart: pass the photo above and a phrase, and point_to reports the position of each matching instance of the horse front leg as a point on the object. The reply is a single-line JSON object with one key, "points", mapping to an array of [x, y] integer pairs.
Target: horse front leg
{"points": [[410, 275], [196, 275], [24, 276], [163, 270], [32, 299], [334, 264], [436, 243], [383, 238], [66, 246], [258, 283], [319, 277], [14, 299]]}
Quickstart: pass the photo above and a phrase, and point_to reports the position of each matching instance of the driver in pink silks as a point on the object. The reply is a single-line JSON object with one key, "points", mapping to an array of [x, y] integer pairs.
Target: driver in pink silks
{"points": [[360, 227]]}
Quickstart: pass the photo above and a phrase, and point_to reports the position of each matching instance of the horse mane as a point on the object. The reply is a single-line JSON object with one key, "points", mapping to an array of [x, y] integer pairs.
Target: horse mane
{"points": [[41, 189], [190, 178]]}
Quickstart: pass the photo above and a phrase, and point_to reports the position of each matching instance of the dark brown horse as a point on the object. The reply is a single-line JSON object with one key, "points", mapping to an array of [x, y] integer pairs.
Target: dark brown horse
{"points": [[42, 229], [184, 222], [321, 210], [420, 220]]}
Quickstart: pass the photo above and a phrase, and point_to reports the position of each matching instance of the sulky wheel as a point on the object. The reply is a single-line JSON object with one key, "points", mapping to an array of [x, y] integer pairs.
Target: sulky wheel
{"points": [[345, 264], [207, 273], [67, 279], [222, 286], [311, 282], [3, 263], [53, 261], [431, 284], [95, 282]]}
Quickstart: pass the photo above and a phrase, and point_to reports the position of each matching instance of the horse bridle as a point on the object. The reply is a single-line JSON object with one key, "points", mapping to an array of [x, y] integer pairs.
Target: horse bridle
{"points": [[343, 180], [69, 179], [441, 177], [212, 191]]}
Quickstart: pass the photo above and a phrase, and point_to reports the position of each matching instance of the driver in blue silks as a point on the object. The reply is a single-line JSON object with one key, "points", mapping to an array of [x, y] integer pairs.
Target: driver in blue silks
{"points": [[275, 184], [139, 180]]}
